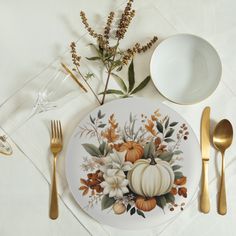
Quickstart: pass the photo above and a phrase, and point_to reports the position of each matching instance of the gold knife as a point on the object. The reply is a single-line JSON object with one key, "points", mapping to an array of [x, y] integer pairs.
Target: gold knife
{"points": [[205, 148]]}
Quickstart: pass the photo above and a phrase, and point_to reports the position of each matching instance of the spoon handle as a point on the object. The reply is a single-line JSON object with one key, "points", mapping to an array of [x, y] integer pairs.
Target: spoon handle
{"points": [[222, 207]]}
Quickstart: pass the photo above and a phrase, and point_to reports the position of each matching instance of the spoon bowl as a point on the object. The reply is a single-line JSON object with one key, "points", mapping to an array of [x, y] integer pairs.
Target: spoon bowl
{"points": [[223, 135]]}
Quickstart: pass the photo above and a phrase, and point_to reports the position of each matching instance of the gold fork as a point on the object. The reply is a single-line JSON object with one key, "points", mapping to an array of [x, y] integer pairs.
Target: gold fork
{"points": [[56, 147]]}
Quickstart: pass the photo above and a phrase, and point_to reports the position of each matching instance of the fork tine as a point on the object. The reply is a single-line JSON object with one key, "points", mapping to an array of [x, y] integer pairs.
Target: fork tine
{"points": [[52, 130], [60, 132], [56, 128]]}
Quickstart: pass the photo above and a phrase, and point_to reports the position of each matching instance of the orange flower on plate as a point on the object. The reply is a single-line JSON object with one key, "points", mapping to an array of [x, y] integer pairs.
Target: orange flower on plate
{"points": [[150, 127], [181, 181]]}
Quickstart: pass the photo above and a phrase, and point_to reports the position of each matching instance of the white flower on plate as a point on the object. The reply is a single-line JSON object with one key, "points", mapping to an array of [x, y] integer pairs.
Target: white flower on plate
{"points": [[115, 164], [115, 186]]}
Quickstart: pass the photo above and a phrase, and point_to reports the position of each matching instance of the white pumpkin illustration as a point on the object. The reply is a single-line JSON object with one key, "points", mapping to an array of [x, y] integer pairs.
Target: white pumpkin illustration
{"points": [[151, 177]]}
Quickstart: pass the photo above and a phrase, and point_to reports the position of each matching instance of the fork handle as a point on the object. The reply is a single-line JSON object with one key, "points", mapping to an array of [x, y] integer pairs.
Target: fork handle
{"points": [[54, 201]]}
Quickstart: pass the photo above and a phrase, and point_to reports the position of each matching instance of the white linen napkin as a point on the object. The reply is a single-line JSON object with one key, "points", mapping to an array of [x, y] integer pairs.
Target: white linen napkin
{"points": [[37, 130]]}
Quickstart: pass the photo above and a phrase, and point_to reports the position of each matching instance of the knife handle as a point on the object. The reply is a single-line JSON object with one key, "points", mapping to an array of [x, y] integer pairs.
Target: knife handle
{"points": [[204, 199]]}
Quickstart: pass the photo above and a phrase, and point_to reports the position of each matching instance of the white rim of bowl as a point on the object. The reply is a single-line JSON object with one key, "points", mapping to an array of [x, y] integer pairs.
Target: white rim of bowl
{"points": [[217, 55]]}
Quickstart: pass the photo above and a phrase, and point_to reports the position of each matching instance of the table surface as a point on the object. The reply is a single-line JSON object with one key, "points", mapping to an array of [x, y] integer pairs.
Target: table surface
{"points": [[35, 33]]}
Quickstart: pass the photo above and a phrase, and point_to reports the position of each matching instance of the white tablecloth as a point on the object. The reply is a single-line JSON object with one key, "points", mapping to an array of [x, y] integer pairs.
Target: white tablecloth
{"points": [[35, 33]]}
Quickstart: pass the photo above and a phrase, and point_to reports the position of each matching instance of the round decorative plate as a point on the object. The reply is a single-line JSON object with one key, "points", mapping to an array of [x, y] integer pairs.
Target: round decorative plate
{"points": [[185, 68], [133, 163]]}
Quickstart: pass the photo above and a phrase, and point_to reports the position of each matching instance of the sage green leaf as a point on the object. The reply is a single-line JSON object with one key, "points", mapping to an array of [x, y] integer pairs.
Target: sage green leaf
{"points": [[99, 114], [112, 91], [141, 85], [119, 68], [169, 140], [148, 149], [102, 147], [177, 152], [107, 202], [131, 76], [92, 149], [93, 58], [161, 201], [178, 174], [120, 82], [128, 207], [132, 211], [99, 52], [169, 198], [173, 124], [166, 156], [101, 125], [91, 119], [169, 133], [159, 127], [176, 167], [167, 123], [140, 213]]}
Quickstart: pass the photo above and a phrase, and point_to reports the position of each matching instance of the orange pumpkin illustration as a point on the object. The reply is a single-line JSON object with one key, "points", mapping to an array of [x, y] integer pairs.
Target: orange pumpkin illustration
{"points": [[145, 204], [134, 151]]}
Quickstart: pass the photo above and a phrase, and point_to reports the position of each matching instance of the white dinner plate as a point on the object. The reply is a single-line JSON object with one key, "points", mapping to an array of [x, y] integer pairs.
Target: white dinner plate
{"points": [[185, 69], [133, 163]]}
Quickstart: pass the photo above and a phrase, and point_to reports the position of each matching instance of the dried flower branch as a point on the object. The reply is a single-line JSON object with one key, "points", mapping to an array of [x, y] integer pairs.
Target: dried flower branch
{"points": [[112, 57], [76, 61]]}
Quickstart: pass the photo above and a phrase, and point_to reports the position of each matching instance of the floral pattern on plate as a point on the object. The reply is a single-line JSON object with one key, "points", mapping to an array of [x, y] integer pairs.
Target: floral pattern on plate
{"points": [[134, 167]]}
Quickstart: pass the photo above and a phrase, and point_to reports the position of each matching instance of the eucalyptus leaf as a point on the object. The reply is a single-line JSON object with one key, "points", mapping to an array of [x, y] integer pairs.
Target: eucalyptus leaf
{"points": [[120, 82], [166, 156], [167, 123], [107, 202], [161, 201], [131, 76], [177, 152], [93, 58], [140, 213], [178, 174], [99, 114], [132, 211], [176, 167], [159, 127], [128, 207], [169, 140], [173, 124], [169, 198], [101, 125], [148, 149], [91, 119], [92, 149], [169, 133], [141, 85], [102, 147], [112, 91]]}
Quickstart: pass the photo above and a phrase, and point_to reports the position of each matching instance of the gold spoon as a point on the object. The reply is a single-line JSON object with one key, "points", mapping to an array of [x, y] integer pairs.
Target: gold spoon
{"points": [[222, 139]]}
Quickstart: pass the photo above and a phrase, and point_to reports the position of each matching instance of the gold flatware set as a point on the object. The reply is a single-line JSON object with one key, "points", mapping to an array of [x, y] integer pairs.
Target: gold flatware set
{"points": [[222, 139]]}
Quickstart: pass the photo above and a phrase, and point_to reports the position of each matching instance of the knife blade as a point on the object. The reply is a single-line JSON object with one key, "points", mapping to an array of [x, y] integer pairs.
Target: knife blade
{"points": [[205, 149]]}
